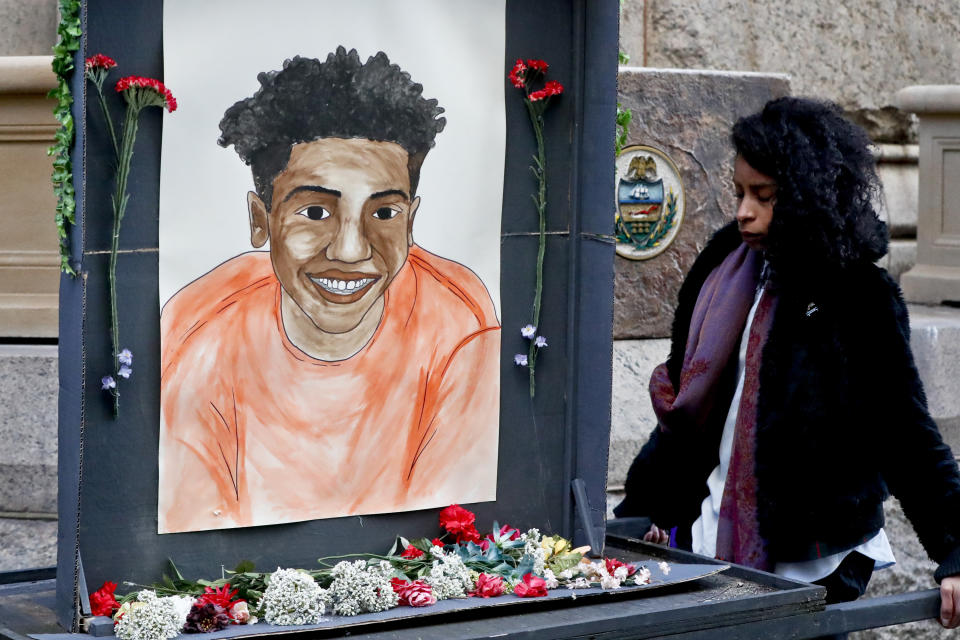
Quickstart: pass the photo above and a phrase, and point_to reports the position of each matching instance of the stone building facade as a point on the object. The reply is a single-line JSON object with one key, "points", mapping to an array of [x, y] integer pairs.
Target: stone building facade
{"points": [[858, 54]]}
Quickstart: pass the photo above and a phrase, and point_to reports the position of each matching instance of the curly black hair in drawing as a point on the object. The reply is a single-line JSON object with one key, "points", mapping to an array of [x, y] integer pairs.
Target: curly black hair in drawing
{"points": [[338, 98], [827, 184]]}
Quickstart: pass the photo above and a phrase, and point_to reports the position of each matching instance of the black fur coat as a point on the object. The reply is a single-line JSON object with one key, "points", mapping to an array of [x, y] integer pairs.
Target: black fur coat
{"points": [[842, 422]]}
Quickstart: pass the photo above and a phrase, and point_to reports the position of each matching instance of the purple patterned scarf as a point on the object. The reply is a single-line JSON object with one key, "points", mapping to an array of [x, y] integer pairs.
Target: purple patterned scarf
{"points": [[738, 536], [716, 327]]}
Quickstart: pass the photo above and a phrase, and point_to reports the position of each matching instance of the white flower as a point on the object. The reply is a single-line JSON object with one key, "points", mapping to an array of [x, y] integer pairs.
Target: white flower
{"points": [[566, 574], [519, 359], [621, 573], [551, 579], [593, 569], [292, 597], [580, 583], [642, 576], [449, 577], [533, 549], [125, 357], [357, 588], [528, 331], [541, 342], [182, 605], [156, 619], [609, 582], [664, 568]]}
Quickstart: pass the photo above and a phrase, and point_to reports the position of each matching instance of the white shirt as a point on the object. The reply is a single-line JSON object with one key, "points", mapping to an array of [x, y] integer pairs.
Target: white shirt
{"points": [[704, 530]]}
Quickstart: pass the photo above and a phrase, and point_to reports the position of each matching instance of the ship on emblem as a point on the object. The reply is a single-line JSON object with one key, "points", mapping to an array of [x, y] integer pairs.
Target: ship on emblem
{"points": [[640, 193]]}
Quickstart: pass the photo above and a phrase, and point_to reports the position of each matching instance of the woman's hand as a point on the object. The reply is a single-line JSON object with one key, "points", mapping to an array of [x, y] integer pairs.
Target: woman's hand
{"points": [[657, 535], [949, 602]]}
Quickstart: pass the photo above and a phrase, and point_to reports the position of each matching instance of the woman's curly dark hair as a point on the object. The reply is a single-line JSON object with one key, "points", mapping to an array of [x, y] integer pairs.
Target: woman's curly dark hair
{"points": [[827, 185], [338, 98]]}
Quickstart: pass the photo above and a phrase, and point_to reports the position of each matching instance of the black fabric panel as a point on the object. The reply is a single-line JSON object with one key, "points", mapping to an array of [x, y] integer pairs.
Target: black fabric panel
{"points": [[117, 498]]}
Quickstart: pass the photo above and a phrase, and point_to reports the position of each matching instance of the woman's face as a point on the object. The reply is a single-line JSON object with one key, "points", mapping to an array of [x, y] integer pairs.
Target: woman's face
{"points": [[756, 195]]}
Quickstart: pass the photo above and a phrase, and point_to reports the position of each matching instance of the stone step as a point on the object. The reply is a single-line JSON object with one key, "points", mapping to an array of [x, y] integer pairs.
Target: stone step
{"points": [[28, 428], [27, 543]]}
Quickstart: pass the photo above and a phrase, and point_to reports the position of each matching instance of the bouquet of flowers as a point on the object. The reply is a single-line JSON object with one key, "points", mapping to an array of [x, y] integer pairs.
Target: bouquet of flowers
{"points": [[460, 563]]}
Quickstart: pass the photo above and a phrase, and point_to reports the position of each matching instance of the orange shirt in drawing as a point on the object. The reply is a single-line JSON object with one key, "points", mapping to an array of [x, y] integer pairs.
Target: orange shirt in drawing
{"points": [[253, 431]]}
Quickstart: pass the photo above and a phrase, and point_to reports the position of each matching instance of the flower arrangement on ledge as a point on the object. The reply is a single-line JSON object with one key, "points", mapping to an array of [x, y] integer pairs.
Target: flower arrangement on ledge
{"points": [[413, 573]]}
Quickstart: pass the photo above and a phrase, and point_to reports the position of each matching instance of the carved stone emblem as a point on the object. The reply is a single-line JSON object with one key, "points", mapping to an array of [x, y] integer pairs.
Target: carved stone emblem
{"points": [[650, 202]]}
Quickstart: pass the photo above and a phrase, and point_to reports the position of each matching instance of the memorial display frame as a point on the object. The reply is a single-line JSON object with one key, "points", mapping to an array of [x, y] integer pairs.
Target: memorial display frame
{"points": [[107, 464]]}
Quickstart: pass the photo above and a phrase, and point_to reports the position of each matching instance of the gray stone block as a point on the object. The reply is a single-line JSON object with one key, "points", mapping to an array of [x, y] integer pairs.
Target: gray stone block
{"points": [[28, 426], [27, 544], [688, 115], [901, 257], [897, 169], [27, 27], [935, 339], [632, 417], [856, 53]]}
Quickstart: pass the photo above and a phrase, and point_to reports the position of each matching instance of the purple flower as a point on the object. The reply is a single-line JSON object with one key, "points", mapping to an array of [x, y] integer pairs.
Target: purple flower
{"points": [[528, 332], [520, 359], [541, 342], [124, 371], [107, 383], [204, 618], [125, 357]]}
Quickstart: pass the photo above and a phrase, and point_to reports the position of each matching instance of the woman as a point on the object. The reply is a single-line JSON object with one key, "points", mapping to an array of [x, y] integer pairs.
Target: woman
{"points": [[791, 359]]}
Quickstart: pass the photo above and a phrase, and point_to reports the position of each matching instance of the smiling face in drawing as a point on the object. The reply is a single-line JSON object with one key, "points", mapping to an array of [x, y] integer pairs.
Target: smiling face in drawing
{"points": [[340, 227]]}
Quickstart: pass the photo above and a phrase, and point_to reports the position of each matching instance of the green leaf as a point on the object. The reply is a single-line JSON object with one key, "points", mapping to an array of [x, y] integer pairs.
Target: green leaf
{"points": [[244, 566], [424, 544], [564, 561], [173, 567]]}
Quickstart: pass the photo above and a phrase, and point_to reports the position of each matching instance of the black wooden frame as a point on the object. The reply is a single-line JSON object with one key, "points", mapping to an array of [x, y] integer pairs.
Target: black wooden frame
{"points": [[107, 471]]}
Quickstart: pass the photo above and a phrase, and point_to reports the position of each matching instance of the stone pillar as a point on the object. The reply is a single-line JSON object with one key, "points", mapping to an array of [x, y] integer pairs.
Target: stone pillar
{"points": [[936, 277], [29, 261]]}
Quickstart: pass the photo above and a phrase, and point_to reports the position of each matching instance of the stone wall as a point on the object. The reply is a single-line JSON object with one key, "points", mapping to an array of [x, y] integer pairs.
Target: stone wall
{"points": [[687, 114], [858, 54], [27, 27]]}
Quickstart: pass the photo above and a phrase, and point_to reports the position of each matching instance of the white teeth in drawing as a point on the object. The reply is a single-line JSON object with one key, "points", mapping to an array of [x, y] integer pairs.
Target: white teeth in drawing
{"points": [[342, 287]]}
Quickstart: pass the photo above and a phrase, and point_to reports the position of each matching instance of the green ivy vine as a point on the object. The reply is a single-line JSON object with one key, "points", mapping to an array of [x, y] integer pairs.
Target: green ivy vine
{"points": [[69, 31]]}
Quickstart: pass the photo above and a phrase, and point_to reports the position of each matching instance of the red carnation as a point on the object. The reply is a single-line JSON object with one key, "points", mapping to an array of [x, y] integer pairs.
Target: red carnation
{"points": [[531, 587], [457, 520], [553, 88], [470, 534], [487, 586], [155, 86], [613, 564], [516, 74], [538, 65], [411, 553], [437, 542], [413, 594], [99, 61], [103, 602]]}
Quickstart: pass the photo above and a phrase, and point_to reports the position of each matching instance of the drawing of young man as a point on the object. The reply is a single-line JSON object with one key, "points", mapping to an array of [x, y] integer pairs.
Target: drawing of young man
{"points": [[346, 370]]}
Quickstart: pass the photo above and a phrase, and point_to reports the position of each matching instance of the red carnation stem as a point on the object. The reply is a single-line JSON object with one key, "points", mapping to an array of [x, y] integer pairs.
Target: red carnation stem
{"points": [[536, 117], [120, 199]]}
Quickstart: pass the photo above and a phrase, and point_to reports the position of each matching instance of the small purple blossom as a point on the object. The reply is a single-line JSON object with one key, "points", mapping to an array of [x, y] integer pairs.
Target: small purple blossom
{"points": [[124, 371], [520, 359], [125, 357], [528, 332], [107, 382], [541, 342]]}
